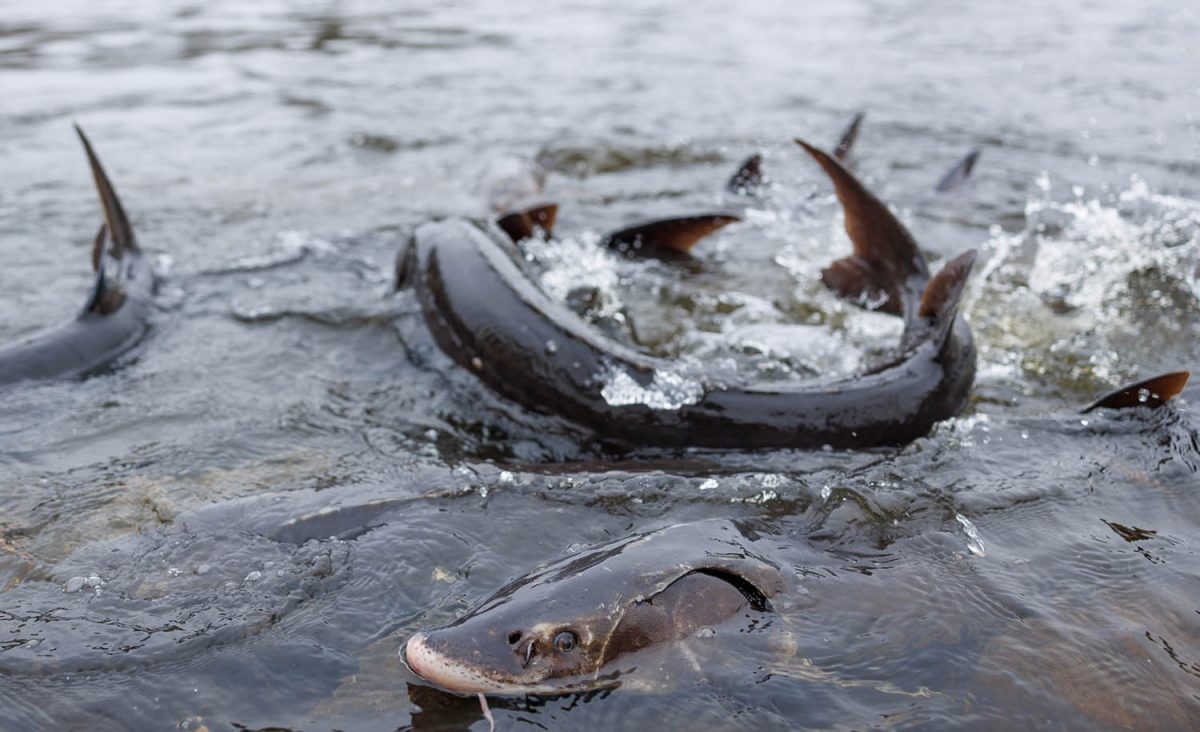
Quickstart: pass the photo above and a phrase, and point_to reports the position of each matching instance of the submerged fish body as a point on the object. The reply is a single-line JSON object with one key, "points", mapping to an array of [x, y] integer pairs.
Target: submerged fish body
{"points": [[488, 317], [584, 621], [116, 315]]}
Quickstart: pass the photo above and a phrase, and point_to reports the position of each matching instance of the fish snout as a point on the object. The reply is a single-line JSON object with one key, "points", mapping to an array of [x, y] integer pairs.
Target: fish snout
{"points": [[453, 670]]}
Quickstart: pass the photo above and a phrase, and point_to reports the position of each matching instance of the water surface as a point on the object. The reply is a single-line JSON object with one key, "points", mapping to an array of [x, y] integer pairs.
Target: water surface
{"points": [[157, 567]]}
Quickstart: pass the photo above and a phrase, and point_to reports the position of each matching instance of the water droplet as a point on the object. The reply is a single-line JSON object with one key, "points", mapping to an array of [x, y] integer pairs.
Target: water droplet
{"points": [[75, 584], [506, 478], [551, 347], [709, 484], [826, 491], [174, 571], [705, 633], [254, 576]]}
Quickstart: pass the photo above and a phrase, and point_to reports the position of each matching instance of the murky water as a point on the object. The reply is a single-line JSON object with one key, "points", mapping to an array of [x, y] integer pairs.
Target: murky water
{"points": [[1022, 567]]}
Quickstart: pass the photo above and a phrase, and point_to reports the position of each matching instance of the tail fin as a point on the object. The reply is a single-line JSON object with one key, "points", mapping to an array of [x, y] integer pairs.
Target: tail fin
{"points": [[748, 178], [1153, 392], [114, 214], [958, 175], [667, 238], [523, 224], [848, 137], [886, 271]]}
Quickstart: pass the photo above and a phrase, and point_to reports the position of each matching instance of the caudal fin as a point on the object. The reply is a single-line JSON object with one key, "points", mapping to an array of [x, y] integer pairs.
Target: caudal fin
{"points": [[846, 143], [887, 270], [114, 214], [525, 223], [1152, 392], [667, 238], [748, 178], [956, 176]]}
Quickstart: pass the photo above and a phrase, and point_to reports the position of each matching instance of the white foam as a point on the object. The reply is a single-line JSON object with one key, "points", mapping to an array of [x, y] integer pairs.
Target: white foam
{"points": [[667, 390]]}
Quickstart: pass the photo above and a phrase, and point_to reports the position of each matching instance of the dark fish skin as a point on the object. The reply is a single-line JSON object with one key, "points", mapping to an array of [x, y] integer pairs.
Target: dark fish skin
{"points": [[491, 320], [116, 315]]}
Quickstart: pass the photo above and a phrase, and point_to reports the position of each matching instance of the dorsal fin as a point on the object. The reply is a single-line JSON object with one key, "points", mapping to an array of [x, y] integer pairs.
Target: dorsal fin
{"points": [[1152, 392], [748, 178], [939, 302], [114, 213], [666, 238], [887, 270], [523, 224], [849, 135], [958, 175]]}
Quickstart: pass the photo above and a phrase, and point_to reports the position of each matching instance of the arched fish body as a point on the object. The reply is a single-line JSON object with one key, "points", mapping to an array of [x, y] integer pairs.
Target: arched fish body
{"points": [[116, 315], [579, 623], [487, 316]]}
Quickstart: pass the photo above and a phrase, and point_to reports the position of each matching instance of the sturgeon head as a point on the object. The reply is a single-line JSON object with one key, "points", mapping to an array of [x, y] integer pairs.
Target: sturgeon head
{"points": [[579, 623]]}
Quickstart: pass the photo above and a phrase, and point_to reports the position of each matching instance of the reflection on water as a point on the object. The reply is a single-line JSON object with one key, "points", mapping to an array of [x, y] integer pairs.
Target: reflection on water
{"points": [[241, 522]]}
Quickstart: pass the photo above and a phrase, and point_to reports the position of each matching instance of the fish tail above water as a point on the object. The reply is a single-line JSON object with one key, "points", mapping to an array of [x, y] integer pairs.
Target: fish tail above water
{"points": [[1153, 392], [114, 213], [524, 224], [886, 270], [956, 176], [673, 237], [118, 309], [748, 177], [849, 135]]}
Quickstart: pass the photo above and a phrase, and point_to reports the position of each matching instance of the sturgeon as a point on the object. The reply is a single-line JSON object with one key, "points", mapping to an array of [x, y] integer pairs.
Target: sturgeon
{"points": [[489, 318], [580, 623], [117, 312]]}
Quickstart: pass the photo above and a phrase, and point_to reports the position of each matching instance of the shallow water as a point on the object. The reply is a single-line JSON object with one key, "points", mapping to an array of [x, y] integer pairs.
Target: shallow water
{"points": [[273, 157]]}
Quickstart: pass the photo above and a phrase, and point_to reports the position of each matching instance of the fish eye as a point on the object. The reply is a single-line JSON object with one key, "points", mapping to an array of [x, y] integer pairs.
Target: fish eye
{"points": [[514, 637], [565, 641]]}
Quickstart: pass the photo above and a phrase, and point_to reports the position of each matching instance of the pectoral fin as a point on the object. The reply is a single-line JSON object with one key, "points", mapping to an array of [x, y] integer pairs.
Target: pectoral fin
{"points": [[524, 224], [1153, 392], [667, 238], [887, 270], [106, 298]]}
